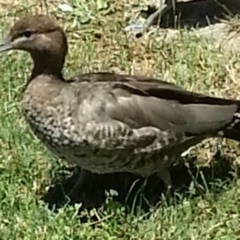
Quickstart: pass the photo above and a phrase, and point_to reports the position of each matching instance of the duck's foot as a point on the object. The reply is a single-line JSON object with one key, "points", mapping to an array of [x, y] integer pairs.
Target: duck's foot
{"points": [[166, 199]]}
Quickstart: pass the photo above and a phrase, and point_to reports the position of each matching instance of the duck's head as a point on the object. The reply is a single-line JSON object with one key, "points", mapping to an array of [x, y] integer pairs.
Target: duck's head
{"points": [[35, 33], [40, 36]]}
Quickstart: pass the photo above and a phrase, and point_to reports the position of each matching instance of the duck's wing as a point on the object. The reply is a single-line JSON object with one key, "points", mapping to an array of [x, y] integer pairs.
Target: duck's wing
{"points": [[152, 109], [140, 101]]}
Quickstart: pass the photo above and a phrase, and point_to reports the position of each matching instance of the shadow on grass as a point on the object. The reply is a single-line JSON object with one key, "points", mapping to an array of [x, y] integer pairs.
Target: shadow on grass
{"points": [[134, 191], [196, 13]]}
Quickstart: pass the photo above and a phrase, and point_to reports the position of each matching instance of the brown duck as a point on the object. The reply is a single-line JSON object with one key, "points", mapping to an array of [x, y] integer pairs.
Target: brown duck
{"points": [[108, 123]]}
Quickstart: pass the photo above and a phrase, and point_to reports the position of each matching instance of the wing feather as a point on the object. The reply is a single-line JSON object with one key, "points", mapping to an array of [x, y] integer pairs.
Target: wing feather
{"points": [[147, 102]]}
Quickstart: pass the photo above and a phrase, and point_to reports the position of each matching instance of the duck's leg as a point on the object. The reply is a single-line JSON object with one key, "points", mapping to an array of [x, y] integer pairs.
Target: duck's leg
{"points": [[138, 28], [164, 174], [219, 147], [78, 187]]}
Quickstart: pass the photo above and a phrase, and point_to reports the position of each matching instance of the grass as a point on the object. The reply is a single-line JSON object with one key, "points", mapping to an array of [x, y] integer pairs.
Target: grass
{"points": [[97, 42]]}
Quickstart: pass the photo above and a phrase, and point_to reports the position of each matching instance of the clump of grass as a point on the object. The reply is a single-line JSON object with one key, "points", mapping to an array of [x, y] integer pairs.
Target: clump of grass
{"points": [[97, 42]]}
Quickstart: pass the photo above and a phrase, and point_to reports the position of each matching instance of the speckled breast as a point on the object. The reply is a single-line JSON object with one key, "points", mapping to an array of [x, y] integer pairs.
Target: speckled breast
{"points": [[61, 138]]}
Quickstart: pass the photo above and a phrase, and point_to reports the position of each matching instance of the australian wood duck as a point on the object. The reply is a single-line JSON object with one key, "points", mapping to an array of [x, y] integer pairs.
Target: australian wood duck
{"points": [[106, 122]]}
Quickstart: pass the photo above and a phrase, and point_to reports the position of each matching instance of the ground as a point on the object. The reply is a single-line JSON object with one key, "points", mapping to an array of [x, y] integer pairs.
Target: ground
{"points": [[32, 180]]}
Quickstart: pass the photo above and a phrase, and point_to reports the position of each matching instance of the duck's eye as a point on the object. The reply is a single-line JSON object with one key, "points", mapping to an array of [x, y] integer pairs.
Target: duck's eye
{"points": [[27, 33]]}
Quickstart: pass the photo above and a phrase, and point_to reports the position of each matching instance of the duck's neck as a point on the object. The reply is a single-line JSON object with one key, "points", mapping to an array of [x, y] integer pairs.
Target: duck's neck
{"points": [[47, 64]]}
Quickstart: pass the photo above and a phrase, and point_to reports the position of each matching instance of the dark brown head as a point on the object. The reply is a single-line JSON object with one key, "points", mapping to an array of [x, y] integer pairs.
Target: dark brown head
{"points": [[41, 37]]}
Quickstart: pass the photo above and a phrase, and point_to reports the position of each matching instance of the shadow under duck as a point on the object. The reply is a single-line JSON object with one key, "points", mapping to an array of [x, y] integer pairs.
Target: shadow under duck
{"points": [[106, 122]]}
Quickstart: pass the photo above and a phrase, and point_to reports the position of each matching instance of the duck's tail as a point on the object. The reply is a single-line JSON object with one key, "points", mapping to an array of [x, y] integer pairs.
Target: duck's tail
{"points": [[232, 130]]}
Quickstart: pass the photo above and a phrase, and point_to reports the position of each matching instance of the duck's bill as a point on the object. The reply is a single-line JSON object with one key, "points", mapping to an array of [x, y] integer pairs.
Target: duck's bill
{"points": [[5, 44]]}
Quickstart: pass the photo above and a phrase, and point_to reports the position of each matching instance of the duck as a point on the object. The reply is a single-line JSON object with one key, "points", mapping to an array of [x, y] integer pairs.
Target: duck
{"points": [[111, 123]]}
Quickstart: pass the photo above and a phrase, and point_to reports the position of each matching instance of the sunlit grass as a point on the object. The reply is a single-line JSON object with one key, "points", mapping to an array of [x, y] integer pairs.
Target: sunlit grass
{"points": [[97, 42]]}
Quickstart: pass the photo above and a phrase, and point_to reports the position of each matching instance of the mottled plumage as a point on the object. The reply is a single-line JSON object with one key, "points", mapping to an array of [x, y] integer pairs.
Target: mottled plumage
{"points": [[106, 122]]}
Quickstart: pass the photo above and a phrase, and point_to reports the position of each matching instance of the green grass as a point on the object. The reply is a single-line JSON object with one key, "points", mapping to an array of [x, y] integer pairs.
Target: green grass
{"points": [[97, 42]]}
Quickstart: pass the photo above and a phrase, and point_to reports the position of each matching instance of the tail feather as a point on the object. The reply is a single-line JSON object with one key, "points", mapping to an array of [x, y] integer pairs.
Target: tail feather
{"points": [[232, 131]]}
